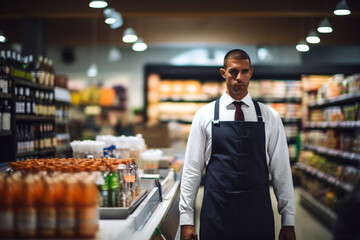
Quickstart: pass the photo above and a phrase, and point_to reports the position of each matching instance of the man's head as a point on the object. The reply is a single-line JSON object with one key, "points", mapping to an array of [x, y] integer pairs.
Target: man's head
{"points": [[237, 72]]}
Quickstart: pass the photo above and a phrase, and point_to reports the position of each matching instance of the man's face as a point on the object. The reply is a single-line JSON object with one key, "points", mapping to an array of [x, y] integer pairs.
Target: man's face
{"points": [[237, 77]]}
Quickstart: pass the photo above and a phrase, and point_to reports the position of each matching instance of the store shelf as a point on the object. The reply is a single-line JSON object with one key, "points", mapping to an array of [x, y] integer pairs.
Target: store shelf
{"points": [[326, 125], [291, 120], [34, 118], [350, 97], [26, 154], [322, 211], [5, 133], [325, 177], [47, 151], [279, 100], [349, 156], [27, 83], [5, 95]]}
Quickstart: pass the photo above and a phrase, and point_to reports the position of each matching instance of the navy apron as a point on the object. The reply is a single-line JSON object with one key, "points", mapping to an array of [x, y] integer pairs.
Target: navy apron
{"points": [[236, 203]]}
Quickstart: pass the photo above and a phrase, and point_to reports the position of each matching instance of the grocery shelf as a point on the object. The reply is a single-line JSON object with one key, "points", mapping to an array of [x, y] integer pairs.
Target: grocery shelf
{"points": [[26, 154], [349, 156], [5, 133], [325, 177], [325, 125], [291, 120], [350, 97], [278, 100], [34, 118], [326, 214], [27, 83], [173, 100], [47, 151], [5, 95]]}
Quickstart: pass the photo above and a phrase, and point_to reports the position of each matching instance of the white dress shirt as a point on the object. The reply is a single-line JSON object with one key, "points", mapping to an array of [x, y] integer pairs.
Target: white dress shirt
{"points": [[198, 152]]}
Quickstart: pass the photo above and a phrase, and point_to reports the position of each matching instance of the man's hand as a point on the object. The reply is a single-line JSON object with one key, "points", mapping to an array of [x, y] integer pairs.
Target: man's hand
{"points": [[188, 232], [287, 233]]}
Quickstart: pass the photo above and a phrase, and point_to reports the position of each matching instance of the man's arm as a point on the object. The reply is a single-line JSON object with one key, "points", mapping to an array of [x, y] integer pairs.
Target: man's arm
{"points": [[280, 170], [193, 167]]}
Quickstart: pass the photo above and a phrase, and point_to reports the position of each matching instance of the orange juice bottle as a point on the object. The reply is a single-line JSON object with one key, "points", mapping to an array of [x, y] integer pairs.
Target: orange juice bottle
{"points": [[47, 211], [87, 215], [7, 208], [66, 210], [26, 212]]}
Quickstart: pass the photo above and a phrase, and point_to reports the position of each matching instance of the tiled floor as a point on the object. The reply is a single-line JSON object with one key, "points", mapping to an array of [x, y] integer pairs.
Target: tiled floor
{"points": [[307, 227]]}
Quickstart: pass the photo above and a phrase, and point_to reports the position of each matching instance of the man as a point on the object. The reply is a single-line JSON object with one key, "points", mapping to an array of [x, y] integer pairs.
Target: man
{"points": [[240, 141]]}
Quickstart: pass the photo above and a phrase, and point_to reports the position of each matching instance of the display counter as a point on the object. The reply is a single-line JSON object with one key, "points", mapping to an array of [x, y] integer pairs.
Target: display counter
{"points": [[152, 213]]}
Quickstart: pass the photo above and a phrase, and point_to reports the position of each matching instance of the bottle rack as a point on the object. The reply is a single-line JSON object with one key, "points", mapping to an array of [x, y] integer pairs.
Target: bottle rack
{"points": [[26, 78]]}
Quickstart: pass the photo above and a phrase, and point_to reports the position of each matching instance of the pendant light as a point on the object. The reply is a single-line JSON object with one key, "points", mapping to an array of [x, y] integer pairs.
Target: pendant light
{"points": [[129, 36], [92, 71], [98, 4], [302, 46], [342, 9], [109, 15], [313, 38], [324, 26], [139, 45], [2, 37]]}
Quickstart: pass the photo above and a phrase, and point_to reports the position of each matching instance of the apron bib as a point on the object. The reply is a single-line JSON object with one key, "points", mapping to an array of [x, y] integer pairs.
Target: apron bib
{"points": [[236, 203]]}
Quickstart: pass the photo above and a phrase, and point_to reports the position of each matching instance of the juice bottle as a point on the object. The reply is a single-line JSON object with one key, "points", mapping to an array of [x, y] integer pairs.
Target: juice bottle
{"points": [[66, 210], [26, 212], [87, 211], [47, 211], [7, 210]]}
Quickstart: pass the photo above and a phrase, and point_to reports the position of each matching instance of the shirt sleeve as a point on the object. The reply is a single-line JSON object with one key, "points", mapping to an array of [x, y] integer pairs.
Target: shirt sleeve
{"points": [[193, 166], [279, 166]]}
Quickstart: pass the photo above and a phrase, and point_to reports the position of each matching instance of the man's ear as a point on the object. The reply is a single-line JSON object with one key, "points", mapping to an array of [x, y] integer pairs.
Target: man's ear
{"points": [[222, 72]]}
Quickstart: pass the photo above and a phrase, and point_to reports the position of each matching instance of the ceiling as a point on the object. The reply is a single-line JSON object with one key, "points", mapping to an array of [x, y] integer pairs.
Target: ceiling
{"points": [[259, 22]]}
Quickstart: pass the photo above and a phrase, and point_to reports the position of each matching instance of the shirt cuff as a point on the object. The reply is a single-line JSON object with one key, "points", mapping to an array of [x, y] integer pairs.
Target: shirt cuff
{"points": [[186, 219], [287, 220]]}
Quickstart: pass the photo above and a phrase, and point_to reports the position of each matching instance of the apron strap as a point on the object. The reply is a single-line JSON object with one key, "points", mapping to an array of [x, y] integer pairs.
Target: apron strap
{"points": [[216, 120], [258, 112]]}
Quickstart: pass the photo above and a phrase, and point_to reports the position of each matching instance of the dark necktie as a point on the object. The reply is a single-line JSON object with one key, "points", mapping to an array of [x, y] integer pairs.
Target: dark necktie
{"points": [[239, 115]]}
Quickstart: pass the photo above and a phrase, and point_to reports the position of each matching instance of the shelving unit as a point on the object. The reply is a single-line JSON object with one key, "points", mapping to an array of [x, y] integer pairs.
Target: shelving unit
{"points": [[330, 155], [192, 102], [62, 122]]}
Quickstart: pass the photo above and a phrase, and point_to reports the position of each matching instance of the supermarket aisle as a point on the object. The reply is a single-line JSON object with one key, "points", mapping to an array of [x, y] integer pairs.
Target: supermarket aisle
{"points": [[307, 227]]}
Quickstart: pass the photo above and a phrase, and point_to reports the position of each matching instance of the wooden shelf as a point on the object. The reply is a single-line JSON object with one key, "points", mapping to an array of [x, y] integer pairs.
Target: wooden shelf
{"points": [[34, 118], [5, 95], [27, 83], [5, 133]]}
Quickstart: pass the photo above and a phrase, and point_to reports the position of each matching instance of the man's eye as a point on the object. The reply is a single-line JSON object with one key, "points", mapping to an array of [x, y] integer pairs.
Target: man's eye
{"points": [[245, 71], [232, 72]]}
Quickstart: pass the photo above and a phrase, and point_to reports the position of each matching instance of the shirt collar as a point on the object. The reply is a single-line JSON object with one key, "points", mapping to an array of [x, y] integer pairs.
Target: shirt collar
{"points": [[227, 99]]}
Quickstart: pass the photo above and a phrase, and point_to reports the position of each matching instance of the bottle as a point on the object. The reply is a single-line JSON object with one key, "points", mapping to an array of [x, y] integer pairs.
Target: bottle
{"points": [[87, 216], [47, 73], [47, 211], [4, 73], [103, 185], [114, 186], [7, 207], [28, 101], [52, 73], [40, 71], [31, 69], [6, 116], [8, 70], [26, 212], [66, 210], [124, 192]]}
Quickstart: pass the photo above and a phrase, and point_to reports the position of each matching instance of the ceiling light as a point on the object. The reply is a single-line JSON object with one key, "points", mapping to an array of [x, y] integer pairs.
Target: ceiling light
{"points": [[302, 46], [118, 21], [129, 36], [313, 38], [98, 4], [114, 54], [324, 26], [139, 45], [2, 37], [93, 70], [342, 8], [109, 15]]}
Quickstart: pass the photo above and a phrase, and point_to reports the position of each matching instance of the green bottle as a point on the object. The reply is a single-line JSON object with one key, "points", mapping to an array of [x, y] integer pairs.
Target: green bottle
{"points": [[104, 187], [114, 186]]}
